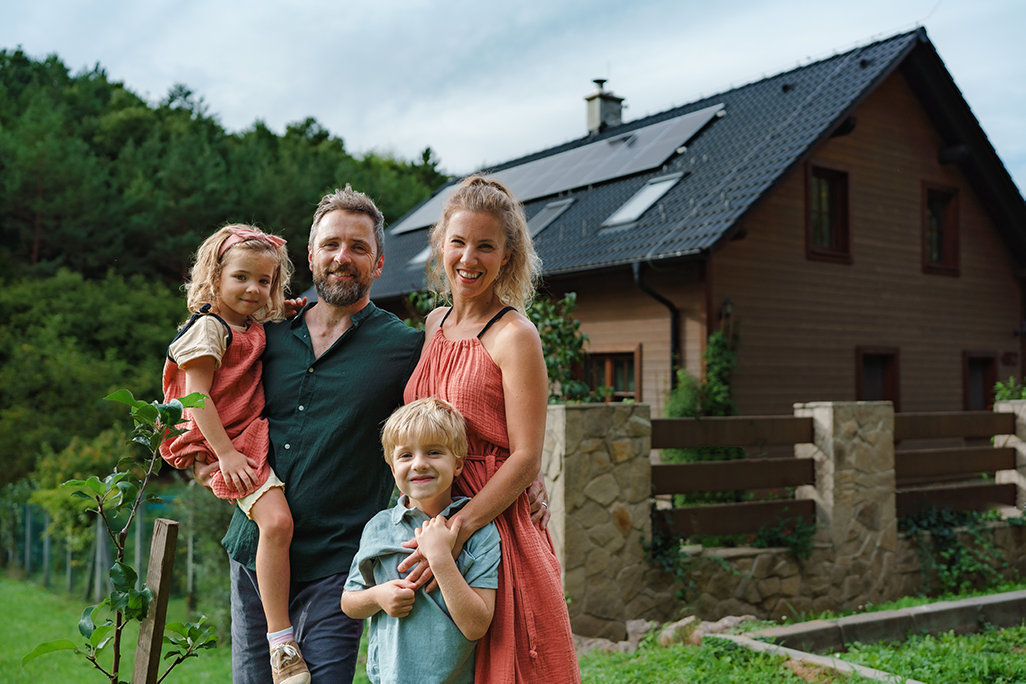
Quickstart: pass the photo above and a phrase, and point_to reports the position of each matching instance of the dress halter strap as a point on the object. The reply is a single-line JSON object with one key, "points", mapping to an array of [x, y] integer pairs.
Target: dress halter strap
{"points": [[496, 317], [204, 311]]}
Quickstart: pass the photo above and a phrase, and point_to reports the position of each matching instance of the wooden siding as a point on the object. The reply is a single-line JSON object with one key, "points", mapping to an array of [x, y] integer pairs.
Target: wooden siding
{"points": [[615, 313], [801, 320]]}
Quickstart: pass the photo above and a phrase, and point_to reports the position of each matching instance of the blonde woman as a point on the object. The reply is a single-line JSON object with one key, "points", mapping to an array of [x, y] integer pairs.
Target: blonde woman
{"points": [[484, 356]]}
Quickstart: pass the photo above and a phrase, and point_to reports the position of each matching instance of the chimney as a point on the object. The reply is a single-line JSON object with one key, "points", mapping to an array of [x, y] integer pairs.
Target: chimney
{"points": [[603, 108]]}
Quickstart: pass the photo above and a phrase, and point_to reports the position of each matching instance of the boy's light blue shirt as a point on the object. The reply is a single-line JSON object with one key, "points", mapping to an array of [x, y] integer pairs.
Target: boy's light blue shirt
{"points": [[426, 646]]}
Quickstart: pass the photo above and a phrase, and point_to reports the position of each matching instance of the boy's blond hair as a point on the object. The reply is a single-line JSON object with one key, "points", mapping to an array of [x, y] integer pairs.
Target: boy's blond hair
{"points": [[425, 421]]}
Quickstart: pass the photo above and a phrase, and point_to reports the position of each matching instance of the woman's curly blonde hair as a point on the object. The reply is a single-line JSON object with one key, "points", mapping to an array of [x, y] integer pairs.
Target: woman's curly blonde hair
{"points": [[518, 277], [205, 275]]}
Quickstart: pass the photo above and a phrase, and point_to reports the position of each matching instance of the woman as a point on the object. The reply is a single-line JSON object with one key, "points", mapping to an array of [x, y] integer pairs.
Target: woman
{"points": [[484, 356]]}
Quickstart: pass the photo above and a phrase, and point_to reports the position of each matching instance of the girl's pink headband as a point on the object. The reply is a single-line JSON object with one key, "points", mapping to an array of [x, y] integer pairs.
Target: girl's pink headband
{"points": [[242, 234]]}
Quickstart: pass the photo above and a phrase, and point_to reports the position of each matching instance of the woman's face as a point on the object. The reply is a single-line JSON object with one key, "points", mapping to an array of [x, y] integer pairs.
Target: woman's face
{"points": [[473, 251]]}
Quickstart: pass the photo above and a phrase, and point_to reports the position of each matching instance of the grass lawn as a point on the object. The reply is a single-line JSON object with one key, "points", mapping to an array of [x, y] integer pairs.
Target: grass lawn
{"points": [[35, 616]]}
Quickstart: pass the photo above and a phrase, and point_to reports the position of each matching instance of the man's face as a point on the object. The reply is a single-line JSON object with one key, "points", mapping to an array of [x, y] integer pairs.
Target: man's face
{"points": [[343, 258]]}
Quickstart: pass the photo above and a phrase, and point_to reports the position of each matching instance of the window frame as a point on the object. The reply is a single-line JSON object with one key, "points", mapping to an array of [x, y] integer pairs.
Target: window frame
{"points": [[863, 351], [951, 265], [841, 254], [610, 350]]}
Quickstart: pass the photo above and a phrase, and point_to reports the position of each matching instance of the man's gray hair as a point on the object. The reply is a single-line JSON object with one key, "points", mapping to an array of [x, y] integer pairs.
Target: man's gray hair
{"points": [[350, 200]]}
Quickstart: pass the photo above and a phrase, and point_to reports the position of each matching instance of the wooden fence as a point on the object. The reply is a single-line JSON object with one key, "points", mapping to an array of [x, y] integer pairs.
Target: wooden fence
{"points": [[959, 478], [924, 477], [744, 475]]}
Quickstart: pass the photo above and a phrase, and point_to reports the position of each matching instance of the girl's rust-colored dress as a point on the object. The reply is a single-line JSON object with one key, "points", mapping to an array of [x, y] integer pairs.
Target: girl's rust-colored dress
{"points": [[529, 640]]}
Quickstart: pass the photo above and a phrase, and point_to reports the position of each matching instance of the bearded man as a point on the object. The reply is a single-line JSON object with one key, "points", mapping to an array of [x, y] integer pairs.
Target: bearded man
{"points": [[331, 375]]}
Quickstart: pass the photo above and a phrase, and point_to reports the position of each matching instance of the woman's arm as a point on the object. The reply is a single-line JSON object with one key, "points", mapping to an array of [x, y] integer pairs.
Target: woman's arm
{"points": [[239, 470], [517, 351]]}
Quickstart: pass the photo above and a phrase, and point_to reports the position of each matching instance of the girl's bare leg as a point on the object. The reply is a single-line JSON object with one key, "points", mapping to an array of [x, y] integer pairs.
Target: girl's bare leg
{"points": [[271, 514]]}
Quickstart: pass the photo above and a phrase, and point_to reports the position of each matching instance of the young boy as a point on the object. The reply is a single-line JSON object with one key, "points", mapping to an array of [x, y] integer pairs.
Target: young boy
{"points": [[416, 636]]}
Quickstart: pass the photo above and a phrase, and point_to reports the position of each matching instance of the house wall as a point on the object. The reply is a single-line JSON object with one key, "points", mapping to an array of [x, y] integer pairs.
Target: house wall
{"points": [[616, 316], [801, 320]]}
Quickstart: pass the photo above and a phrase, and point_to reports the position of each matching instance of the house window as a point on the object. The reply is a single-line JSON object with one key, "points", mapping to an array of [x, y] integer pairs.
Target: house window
{"points": [[979, 374], [940, 230], [650, 193], [827, 234], [876, 374], [620, 370]]}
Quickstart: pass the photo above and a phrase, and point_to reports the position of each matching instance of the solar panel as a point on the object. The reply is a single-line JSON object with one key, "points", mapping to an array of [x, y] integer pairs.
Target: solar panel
{"points": [[639, 150]]}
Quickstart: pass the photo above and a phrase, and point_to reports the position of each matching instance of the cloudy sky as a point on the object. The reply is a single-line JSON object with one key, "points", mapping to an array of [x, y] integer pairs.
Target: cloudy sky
{"points": [[483, 82]]}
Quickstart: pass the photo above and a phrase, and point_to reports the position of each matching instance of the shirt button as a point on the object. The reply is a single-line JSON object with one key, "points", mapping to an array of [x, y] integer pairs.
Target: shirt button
{"points": [[310, 369], [288, 446], [302, 408]]}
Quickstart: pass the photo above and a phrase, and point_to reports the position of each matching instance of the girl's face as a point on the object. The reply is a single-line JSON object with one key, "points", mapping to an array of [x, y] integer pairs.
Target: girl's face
{"points": [[245, 284], [473, 251]]}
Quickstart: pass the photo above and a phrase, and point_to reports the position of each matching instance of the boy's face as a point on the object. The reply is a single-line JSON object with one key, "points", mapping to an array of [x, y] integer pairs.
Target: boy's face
{"points": [[424, 473]]}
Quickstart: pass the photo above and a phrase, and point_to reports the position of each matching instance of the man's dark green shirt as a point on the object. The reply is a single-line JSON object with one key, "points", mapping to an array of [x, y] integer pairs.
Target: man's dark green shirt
{"points": [[325, 416]]}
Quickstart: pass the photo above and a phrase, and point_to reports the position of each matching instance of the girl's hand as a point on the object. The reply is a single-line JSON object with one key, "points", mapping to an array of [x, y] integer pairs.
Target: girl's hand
{"points": [[396, 597], [294, 306], [239, 471], [435, 540]]}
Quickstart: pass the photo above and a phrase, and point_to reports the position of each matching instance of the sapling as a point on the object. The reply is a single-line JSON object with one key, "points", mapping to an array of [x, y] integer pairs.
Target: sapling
{"points": [[122, 491]]}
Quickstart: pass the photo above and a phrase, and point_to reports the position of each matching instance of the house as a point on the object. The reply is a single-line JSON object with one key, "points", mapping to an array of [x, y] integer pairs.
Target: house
{"points": [[848, 219]]}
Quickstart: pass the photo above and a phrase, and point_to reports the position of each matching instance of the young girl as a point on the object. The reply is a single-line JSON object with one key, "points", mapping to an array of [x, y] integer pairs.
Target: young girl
{"points": [[238, 281]]}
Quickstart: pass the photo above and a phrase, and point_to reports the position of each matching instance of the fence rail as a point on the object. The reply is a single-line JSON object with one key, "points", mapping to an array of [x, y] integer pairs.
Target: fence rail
{"points": [[952, 424], [979, 497], [735, 518], [683, 433], [923, 466], [725, 476]]}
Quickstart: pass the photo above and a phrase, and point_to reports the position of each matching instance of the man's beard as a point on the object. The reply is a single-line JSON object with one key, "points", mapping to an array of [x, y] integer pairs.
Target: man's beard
{"points": [[341, 293]]}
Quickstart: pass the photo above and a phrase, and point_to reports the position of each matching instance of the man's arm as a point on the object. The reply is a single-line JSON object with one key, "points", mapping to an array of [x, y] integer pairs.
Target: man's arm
{"points": [[471, 608], [395, 598]]}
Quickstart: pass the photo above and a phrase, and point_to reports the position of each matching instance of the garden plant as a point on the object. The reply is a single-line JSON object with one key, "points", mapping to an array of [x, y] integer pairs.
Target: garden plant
{"points": [[122, 491]]}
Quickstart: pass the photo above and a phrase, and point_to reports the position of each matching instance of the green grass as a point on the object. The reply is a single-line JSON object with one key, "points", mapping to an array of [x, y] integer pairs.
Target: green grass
{"points": [[716, 661], [990, 657], [35, 615]]}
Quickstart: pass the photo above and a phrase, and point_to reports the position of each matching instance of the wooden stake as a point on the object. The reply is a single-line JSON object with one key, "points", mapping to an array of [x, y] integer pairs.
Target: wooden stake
{"points": [[158, 579]]}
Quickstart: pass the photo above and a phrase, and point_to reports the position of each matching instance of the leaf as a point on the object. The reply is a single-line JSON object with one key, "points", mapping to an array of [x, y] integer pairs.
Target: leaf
{"points": [[48, 647], [122, 576], [98, 635], [94, 484], [153, 498], [85, 624], [146, 413], [194, 400], [171, 412], [123, 396]]}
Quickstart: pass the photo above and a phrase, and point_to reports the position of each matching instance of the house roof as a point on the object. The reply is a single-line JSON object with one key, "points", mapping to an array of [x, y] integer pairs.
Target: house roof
{"points": [[766, 129]]}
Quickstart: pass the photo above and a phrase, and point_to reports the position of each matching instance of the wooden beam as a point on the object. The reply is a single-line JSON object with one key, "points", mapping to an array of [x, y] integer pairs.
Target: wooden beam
{"points": [[725, 476], [680, 433], [952, 424], [736, 518], [927, 465], [955, 497], [158, 579]]}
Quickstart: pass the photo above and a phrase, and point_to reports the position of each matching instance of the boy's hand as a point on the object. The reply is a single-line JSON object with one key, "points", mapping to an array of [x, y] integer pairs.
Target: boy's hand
{"points": [[435, 540], [396, 597], [239, 471]]}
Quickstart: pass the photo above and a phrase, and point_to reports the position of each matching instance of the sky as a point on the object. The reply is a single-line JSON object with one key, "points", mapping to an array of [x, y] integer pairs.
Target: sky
{"points": [[485, 82]]}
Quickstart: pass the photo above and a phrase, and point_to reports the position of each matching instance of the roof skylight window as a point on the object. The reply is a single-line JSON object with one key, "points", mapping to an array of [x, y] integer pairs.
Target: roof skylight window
{"points": [[420, 259], [549, 213], [649, 194]]}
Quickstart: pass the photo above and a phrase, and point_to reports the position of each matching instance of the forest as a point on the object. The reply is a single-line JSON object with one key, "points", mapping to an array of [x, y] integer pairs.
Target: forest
{"points": [[104, 196]]}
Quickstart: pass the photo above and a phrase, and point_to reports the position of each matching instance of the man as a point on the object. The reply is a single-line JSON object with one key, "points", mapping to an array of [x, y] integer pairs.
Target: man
{"points": [[332, 375]]}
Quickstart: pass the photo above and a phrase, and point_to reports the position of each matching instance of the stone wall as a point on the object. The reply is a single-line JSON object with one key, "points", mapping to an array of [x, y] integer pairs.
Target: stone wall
{"points": [[597, 468], [598, 474]]}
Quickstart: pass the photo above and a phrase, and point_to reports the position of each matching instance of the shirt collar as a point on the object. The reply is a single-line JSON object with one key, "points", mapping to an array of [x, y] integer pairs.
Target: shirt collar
{"points": [[357, 318], [400, 512]]}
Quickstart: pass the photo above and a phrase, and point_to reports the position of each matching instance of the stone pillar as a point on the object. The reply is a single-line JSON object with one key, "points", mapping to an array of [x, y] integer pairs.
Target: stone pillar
{"points": [[854, 495], [1018, 440], [599, 478]]}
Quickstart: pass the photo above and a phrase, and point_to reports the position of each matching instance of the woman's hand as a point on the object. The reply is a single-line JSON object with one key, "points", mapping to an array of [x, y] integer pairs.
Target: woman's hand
{"points": [[538, 497]]}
